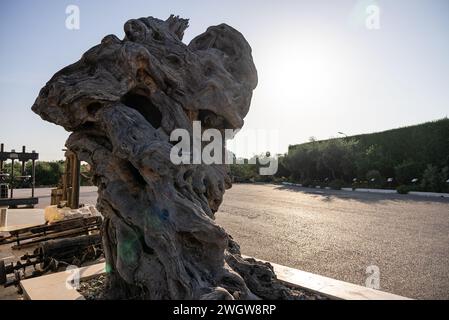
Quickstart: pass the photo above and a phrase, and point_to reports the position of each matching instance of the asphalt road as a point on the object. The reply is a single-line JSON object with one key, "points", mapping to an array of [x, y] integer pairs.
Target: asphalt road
{"points": [[87, 195], [339, 234]]}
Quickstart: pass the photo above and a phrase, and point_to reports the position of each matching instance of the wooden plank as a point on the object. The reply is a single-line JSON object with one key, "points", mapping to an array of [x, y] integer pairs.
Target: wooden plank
{"points": [[53, 236], [51, 231]]}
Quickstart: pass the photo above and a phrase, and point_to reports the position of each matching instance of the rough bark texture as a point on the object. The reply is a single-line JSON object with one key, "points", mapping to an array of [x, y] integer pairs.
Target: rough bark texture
{"points": [[121, 101]]}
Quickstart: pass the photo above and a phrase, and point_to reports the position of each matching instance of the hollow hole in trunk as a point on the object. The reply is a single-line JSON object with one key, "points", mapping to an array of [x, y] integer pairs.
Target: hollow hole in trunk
{"points": [[93, 108], [144, 106], [210, 119], [137, 177]]}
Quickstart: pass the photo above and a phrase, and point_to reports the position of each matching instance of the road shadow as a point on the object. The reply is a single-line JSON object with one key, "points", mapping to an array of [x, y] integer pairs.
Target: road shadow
{"points": [[327, 195]]}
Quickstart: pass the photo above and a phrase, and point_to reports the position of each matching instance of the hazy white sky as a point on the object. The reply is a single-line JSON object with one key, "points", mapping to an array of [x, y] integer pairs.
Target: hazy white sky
{"points": [[321, 70]]}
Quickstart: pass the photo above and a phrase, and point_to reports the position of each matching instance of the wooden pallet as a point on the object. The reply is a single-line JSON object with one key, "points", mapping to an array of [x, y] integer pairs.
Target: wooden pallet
{"points": [[61, 229]]}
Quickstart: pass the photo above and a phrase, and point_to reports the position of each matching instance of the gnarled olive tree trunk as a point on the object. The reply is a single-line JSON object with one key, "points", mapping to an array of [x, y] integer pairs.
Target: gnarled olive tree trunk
{"points": [[121, 101]]}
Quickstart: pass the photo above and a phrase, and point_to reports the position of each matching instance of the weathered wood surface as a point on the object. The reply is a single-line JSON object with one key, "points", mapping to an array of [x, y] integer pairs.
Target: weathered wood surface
{"points": [[121, 101]]}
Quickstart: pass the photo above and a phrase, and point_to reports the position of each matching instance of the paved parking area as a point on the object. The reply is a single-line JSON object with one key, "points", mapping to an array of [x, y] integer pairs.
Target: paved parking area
{"points": [[340, 233]]}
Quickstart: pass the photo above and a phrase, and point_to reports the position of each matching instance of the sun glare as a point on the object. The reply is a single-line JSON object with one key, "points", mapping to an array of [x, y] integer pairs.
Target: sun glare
{"points": [[307, 71]]}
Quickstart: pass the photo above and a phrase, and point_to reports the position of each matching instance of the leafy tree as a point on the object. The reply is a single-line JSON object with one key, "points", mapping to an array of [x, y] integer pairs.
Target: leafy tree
{"points": [[406, 171], [374, 158], [434, 179], [85, 175], [302, 161], [49, 173], [337, 156], [401, 153], [282, 167], [375, 178], [244, 172]]}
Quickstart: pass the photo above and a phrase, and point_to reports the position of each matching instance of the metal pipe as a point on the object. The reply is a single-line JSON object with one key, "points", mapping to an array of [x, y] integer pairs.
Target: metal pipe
{"points": [[76, 168], [23, 162], [12, 178], [65, 180], [1, 161], [33, 174]]}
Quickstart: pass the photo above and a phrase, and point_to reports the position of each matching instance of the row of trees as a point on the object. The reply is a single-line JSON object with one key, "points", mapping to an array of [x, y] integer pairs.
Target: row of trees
{"points": [[415, 157], [248, 169], [48, 173], [346, 162], [409, 158]]}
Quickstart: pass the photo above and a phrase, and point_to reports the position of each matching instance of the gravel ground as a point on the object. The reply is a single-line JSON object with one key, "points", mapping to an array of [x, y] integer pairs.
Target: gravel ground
{"points": [[93, 288], [339, 234]]}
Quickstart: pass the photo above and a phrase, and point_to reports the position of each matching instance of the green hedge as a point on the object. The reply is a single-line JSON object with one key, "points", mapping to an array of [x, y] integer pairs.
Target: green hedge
{"points": [[420, 151]]}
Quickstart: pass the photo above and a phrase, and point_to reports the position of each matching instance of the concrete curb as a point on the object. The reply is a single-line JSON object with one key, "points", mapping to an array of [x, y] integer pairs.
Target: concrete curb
{"points": [[381, 191], [55, 286], [332, 288]]}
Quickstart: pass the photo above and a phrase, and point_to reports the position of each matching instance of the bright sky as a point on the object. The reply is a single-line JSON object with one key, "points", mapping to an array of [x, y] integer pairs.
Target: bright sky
{"points": [[321, 70]]}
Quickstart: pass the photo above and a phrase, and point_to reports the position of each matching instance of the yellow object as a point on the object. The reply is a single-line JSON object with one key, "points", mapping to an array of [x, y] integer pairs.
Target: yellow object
{"points": [[52, 214]]}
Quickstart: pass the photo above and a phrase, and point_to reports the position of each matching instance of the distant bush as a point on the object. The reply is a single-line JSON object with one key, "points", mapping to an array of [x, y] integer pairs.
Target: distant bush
{"points": [[434, 180], [406, 171], [375, 179], [320, 160], [243, 172], [248, 169], [403, 189], [48, 173], [337, 184], [307, 183]]}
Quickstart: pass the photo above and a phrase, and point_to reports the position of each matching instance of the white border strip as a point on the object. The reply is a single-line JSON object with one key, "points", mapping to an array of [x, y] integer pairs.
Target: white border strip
{"points": [[53, 286]]}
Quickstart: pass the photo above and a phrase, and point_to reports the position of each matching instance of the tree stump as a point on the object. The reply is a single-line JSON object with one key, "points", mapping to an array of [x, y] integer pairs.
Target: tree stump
{"points": [[121, 101]]}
